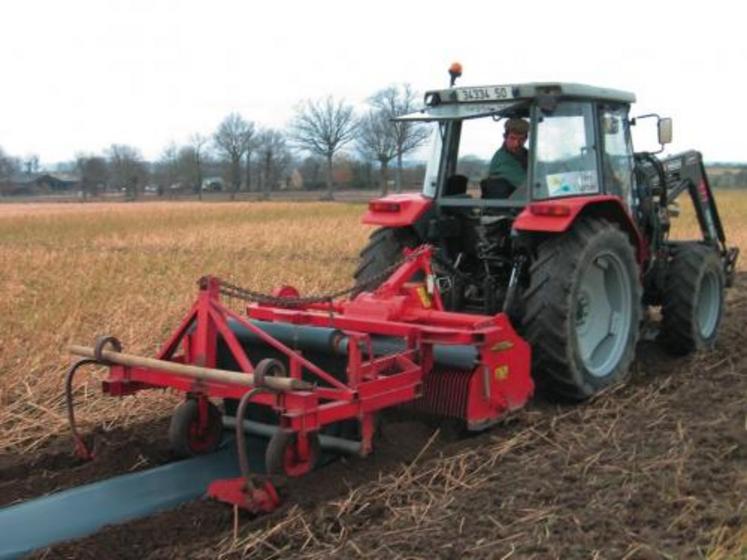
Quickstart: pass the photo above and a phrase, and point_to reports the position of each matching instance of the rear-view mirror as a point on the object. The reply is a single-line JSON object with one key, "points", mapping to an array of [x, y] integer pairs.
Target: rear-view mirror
{"points": [[665, 131]]}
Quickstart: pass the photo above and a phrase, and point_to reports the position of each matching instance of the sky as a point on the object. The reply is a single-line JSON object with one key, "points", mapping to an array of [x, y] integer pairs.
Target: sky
{"points": [[80, 75]]}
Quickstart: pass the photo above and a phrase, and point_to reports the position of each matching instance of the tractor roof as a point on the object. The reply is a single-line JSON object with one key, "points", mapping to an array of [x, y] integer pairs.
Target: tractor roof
{"points": [[478, 101], [513, 92]]}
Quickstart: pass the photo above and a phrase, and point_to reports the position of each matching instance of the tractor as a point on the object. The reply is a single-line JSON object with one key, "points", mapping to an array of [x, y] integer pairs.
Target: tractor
{"points": [[468, 295], [578, 254]]}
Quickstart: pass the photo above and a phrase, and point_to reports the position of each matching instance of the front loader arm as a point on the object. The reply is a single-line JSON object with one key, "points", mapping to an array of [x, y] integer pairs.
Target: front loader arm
{"points": [[686, 172]]}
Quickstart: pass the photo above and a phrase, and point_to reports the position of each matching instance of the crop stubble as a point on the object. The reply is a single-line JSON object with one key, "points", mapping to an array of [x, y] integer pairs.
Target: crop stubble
{"points": [[655, 469]]}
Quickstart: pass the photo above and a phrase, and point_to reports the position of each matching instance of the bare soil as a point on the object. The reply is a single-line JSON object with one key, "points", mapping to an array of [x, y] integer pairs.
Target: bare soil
{"points": [[654, 469], [56, 467]]}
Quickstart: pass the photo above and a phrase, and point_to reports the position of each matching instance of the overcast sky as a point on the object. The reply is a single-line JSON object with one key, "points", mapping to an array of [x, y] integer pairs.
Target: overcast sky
{"points": [[80, 75]]}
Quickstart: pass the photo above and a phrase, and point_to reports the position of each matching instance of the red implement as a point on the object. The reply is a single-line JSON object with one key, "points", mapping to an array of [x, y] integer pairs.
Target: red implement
{"points": [[404, 315]]}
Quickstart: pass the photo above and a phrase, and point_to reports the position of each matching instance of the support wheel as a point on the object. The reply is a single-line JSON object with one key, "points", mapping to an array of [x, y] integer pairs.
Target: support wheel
{"points": [[286, 455], [583, 309], [693, 301], [187, 437]]}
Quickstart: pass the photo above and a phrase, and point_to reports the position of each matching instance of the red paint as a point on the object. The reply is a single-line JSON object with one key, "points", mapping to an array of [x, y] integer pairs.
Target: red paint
{"points": [[539, 216], [557, 216], [397, 210], [236, 491]]}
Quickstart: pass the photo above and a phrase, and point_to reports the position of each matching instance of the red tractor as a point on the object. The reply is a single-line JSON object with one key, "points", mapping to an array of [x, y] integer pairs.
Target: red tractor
{"points": [[577, 252], [467, 296]]}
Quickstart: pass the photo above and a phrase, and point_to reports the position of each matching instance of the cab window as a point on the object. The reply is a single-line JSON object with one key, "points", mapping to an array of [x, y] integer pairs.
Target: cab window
{"points": [[566, 155], [479, 140]]}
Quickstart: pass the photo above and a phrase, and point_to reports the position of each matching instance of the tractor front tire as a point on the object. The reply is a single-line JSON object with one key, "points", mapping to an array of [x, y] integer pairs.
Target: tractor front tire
{"points": [[384, 249], [582, 310], [693, 301]]}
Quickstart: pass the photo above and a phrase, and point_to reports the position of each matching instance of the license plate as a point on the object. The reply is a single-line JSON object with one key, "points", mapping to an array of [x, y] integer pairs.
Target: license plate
{"points": [[488, 93]]}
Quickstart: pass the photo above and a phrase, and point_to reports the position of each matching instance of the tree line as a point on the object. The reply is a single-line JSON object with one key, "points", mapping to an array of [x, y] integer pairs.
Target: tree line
{"points": [[250, 157]]}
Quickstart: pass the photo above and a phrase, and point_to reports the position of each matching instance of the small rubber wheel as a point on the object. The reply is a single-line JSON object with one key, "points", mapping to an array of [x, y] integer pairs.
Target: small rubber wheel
{"points": [[282, 455], [186, 437]]}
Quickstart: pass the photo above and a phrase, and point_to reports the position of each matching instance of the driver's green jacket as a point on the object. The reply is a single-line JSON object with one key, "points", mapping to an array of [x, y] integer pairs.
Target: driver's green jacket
{"points": [[507, 166]]}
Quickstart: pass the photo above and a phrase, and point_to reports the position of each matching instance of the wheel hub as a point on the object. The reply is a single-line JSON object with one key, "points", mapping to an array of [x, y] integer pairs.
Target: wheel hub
{"points": [[603, 313], [709, 305], [582, 311]]}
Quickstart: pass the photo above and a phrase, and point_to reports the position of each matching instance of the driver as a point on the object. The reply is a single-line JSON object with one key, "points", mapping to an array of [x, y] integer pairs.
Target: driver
{"points": [[510, 161]]}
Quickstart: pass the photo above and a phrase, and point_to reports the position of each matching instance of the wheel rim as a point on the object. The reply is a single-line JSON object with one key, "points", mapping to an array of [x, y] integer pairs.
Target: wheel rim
{"points": [[187, 437], [201, 441], [206, 438], [709, 304], [603, 314], [293, 464]]}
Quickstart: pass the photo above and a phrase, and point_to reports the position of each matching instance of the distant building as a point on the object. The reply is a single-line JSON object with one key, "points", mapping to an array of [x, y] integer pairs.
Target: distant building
{"points": [[40, 183]]}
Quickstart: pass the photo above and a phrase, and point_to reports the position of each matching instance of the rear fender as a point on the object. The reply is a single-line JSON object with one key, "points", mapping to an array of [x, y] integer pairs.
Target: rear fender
{"points": [[557, 216], [397, 210]]}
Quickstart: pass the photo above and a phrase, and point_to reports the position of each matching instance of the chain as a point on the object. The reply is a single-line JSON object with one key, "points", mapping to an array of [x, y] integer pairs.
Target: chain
{"points": [[237, 292]]}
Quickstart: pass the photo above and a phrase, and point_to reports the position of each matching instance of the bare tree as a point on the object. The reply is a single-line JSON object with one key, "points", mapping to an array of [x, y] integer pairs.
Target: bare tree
{"points": [[395, 101], [93, 171], [126, 168], [250, 149], [31, 164], [323, 127], [312, 172], [168, 168], [274, 158], [198, 143], [232, 140], [376, 141], [9, 166]]}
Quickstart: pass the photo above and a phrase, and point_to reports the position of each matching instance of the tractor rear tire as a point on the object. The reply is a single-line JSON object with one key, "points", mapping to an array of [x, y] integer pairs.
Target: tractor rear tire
{"points": [[384, 249], [693, 300], [582, 310]]}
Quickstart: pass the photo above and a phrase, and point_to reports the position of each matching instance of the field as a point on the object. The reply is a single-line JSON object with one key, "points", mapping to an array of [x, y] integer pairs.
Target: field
{"points": [[655, 469]]}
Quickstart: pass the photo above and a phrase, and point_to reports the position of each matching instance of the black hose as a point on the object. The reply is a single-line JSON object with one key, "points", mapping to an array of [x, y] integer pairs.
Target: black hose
{"points": [[241, 436], [81, 449]]}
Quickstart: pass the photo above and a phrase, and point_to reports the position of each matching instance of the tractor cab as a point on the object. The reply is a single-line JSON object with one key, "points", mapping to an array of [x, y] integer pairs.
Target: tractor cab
{"points": [[578, 143], [510, 164]]}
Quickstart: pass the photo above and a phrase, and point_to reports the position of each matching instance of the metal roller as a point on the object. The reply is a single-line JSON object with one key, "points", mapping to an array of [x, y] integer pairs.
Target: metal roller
{"points": [[334, 342]]}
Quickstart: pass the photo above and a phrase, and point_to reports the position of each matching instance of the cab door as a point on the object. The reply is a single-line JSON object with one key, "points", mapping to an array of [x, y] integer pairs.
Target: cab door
{"points": [[566, 157], [617, 151]]}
